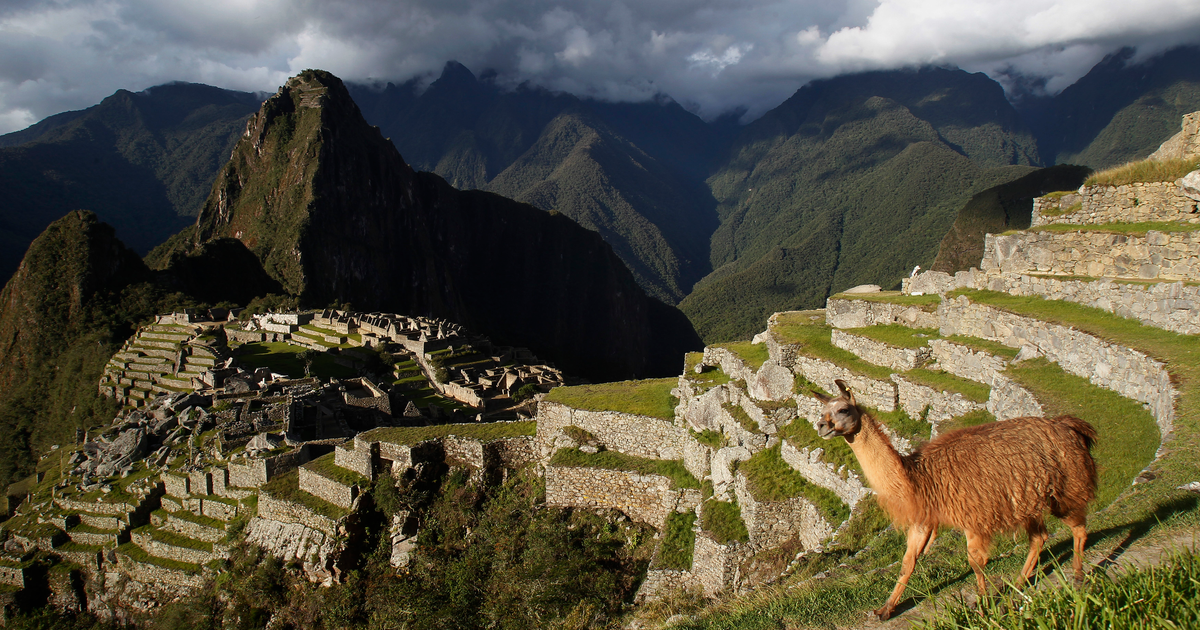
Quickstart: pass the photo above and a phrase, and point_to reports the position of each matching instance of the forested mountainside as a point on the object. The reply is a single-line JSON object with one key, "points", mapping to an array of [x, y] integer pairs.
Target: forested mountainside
{"points": [[631, 171], [334, 214], [852, 180], [1119, 112], [143, 161]]}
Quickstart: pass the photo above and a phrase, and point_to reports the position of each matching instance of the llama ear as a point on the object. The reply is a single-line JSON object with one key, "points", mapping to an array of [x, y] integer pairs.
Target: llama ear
{"points": [[819, 396], [845, 390]]}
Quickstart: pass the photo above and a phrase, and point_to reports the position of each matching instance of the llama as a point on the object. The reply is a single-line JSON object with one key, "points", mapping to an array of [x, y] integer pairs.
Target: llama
{"points": [[984, 480]]}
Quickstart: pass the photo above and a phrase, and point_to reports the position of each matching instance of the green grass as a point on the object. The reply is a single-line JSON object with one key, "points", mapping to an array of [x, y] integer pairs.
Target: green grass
{"points": [[944, 381], [1060, 211], [902, 423], [1118, 459], [974, 418], [612, 460], [174, 539], [678, 542], [1137, 229], [283, 358], [325, 467], [926, 302], [897, 335], [708, 437], [286, 487], [137, 553], [1163, 596], [994, 348], [813, 339], [723, 520], [769, 478], [1144, 171], [644, 398], [801, 434], [754, 354], [484, 432], [741, 416]]}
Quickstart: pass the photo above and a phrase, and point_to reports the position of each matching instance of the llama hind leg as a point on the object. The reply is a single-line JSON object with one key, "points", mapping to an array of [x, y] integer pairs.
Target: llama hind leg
{"points": [[978, 546], [918, 538], [1077, 521], [1037, 538]]}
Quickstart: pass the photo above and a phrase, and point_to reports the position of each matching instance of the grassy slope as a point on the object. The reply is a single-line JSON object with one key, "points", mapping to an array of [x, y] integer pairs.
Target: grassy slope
{"points": [[1123, 515]]}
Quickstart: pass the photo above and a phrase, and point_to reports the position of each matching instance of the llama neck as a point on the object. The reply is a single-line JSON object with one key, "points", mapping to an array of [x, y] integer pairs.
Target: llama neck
{"points": [[881, 463]]}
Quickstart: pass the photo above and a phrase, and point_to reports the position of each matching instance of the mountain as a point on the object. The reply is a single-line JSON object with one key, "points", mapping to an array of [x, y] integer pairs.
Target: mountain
{"points": [[631, 171], [1118, 112], [144, 162], [334, 214], [852, 180]]}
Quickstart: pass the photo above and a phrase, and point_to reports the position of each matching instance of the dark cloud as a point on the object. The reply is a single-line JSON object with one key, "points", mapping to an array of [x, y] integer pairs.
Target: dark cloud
{"points": [[712, 55]]}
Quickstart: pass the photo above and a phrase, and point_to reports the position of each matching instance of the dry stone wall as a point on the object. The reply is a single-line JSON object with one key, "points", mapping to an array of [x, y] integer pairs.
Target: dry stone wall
{"points": [[1158, 255], [1132, 203], [631, 434], [942, 406], [715, 566], [646, 498], [771, 523], [152, 574], [290, 541], [1125, 371], [859, 314], [325, 488], [868, 391], [878, 353], [846, 484]]}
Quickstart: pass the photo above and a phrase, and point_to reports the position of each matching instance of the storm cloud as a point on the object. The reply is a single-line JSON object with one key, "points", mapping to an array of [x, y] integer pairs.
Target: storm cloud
{"points": [[712, 56]]}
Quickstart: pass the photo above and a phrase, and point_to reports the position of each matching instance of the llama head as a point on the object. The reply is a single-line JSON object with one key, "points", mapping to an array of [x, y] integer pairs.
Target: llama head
{"points": [[841, 415]]}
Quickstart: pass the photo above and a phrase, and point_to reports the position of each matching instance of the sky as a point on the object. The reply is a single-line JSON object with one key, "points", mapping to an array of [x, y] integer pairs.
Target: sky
{"points": [[712, 56]]}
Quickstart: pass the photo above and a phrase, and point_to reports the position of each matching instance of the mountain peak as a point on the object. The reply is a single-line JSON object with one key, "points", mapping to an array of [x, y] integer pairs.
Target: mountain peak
{"points": [[455, 72]]}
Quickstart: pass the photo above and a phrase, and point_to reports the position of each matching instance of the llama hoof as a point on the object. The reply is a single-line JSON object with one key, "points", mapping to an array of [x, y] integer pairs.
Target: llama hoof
{"points": [[883, 614]]}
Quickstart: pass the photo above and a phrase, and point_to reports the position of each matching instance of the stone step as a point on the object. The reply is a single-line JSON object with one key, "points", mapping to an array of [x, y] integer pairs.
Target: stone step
{"points": [[141, 566], [170, 381], [188, 524], [200, 360], [880, 353], [88, 535], [173, 337], [326, 480], [212, 506], [169, 355], [157, 343], [102, 521], [171, 545]]}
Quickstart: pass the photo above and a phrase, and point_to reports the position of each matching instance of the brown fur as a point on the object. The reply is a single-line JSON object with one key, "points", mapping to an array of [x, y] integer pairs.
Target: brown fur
{"points": [[983, 480]]}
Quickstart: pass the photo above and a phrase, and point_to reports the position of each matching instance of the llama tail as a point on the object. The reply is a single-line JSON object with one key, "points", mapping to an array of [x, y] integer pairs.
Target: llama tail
{"points": [[1083, 429]]}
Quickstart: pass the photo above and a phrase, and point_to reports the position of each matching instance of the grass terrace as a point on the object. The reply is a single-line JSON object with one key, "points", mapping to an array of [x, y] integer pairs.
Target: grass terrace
{"points": [[975, 418], [897, 335], [711, 377], [947, 382], [174, 539], [678, 541], [723, 520], [801, 434], [926, 302], [192, 517], [318, 330], [284, 358], [138, 554], [1136, 229], [708, 437], [813, 339], [994, 348], [1143, 172], [769, 478], [644, 398], [742, 417], [286, 487], [902, 423], [483, 432], [612, 460], [754, 354], [325, 467]]}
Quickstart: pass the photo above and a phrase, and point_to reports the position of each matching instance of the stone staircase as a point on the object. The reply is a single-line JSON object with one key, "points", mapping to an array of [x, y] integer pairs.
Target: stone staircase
{"points": [[161, 358]]}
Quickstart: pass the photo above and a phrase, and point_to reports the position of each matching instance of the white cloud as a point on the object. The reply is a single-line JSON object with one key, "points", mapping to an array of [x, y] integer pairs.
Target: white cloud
{"points": [[711, 54]]}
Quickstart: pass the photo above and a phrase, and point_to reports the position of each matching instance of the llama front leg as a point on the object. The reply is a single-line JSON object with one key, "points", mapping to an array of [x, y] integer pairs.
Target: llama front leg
{"points": [[918, 538]]}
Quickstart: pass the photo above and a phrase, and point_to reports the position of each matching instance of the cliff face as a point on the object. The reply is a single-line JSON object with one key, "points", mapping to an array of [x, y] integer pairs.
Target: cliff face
{"points": [[332, 211]]}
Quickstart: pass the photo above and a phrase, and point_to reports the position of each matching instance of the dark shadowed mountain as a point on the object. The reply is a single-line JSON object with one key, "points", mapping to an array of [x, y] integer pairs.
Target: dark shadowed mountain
{"points": [[1118, 112], [334, 213], [852, 180], [631, 171], [144, 162]]}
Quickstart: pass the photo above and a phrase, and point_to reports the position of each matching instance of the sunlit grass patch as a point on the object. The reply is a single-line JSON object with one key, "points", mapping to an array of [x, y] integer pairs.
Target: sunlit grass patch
{"points": [[1144, 171], [650, 397]]}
